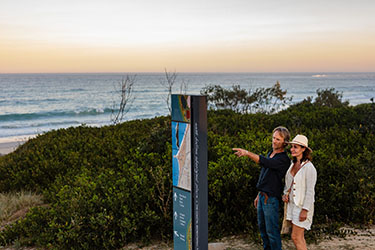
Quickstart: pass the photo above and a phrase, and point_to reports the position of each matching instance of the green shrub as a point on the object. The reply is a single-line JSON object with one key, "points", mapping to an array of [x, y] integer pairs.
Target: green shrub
{"points": [[110, 186]]}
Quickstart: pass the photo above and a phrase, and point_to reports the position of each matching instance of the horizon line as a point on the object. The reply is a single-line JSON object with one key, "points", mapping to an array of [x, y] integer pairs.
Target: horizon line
{"points": [[186, 72]]}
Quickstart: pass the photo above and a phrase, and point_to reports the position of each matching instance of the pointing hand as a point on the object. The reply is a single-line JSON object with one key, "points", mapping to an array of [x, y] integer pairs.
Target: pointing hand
{"points": [[240, 152]]}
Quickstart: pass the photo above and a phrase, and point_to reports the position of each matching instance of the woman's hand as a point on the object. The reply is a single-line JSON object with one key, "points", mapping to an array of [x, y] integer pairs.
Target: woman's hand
{"points": [[240, 152], [285, 198], [303, 215]]}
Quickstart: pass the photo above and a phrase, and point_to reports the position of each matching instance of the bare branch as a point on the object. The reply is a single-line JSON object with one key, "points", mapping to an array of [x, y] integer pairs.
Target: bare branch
{"points": [[168, 84], [126, 99], [183, 87]]}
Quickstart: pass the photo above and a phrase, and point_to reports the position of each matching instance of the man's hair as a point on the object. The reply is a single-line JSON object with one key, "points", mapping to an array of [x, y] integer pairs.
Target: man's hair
{"points": [[284, 133]]}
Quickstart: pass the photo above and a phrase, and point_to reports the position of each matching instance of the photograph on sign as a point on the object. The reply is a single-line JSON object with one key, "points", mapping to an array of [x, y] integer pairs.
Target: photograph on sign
{"points": [[181, 150], [181, 108]]}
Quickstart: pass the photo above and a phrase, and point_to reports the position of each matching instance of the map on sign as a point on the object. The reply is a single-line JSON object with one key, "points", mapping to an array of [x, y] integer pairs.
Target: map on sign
{"points": [[181, 150]]}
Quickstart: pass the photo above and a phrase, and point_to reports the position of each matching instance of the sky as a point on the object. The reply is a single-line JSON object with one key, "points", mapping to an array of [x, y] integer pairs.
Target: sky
{"points": [[51, 36]]}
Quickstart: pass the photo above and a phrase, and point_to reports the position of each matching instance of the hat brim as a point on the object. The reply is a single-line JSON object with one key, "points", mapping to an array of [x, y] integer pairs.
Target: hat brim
{"points": [[300, 144]]}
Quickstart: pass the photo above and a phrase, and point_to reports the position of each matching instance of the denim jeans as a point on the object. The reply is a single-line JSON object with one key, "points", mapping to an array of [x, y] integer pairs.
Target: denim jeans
{"points": [[268, 222]]}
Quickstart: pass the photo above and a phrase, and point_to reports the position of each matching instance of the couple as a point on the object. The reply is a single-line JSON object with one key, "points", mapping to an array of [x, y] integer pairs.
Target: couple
{"points": [[300, 178]]}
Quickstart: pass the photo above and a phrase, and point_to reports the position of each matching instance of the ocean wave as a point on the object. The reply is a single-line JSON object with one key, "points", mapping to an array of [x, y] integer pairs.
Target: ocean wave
{"points": [[54, 124], [10, 126], [46, 101], [53, 114], [40, 124], [75, 90]]}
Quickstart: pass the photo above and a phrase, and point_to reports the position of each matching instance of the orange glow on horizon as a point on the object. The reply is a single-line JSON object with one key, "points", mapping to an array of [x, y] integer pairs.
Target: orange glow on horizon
{"points": [[188, 36], [280, 56]]}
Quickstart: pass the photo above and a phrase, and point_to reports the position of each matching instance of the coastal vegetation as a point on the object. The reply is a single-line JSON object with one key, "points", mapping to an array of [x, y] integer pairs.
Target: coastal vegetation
{"points": [[260, 100], [15, 205], [110, 186]]}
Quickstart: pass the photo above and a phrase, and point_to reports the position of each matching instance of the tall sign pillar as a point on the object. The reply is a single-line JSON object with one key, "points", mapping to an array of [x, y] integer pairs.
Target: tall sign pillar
{"points": [[189, 171]]}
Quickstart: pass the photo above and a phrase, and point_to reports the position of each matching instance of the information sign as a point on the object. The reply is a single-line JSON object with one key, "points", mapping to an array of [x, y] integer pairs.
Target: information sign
{"points": [[189, 171]]}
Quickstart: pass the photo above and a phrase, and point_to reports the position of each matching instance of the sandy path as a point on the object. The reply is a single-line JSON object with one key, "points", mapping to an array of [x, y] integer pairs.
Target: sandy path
{"points": [[363, 239]]}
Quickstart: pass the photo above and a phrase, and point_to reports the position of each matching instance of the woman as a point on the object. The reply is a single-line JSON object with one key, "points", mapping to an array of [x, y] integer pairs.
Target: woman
{"points": [[300, 181]]}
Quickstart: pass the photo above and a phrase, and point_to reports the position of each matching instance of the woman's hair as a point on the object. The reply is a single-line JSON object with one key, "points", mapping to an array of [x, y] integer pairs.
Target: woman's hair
{"points": [[284, 133], [306, 155]]}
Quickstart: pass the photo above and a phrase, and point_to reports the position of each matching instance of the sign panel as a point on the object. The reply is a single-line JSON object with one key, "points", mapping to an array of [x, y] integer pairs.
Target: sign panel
{"points": [[182, 219], [189, 171]]}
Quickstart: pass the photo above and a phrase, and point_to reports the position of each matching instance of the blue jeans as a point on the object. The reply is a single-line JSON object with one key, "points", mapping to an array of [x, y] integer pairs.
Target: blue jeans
{"points": [[268, 222]]}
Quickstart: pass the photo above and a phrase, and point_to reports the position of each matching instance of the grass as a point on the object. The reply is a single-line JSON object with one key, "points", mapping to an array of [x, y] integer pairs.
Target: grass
{"points": [[15, 205]]}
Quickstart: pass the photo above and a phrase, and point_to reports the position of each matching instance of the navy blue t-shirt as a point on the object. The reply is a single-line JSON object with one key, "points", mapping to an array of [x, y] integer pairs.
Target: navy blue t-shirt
{"points": [[272, 172]]}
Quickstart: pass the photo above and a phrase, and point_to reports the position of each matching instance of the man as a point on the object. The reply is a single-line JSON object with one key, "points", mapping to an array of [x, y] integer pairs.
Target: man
{"points": [[274, 167]]}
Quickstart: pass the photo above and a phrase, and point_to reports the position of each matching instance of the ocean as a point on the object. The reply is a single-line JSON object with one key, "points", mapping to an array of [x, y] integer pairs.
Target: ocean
{"points": [[36, 103]]}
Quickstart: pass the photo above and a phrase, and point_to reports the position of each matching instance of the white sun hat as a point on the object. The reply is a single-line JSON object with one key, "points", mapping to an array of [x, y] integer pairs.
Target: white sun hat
{"points": [[301, 140]]}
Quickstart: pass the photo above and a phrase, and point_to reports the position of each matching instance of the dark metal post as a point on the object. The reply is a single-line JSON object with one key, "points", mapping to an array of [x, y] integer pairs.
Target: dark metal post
{"points": [[199, 180]]}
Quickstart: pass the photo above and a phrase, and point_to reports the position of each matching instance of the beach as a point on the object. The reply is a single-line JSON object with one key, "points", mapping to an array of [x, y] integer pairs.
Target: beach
{"points": [[8, 145]]}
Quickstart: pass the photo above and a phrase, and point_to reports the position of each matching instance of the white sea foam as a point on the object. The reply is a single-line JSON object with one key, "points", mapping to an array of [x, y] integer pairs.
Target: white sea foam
{"points": [[319, 76]]}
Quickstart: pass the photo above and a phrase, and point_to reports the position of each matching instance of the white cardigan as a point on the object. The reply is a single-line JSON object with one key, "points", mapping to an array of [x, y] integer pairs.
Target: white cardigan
{"points": [[303, 185]]}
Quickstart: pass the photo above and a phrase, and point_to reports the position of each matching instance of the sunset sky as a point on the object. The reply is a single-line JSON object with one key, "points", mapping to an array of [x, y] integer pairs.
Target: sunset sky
{"points": [[186, 36]]}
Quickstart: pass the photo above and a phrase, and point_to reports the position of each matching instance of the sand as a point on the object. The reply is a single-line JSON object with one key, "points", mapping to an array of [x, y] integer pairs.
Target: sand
{"points": [[8, 147], [9, 144], [363, 239]]}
